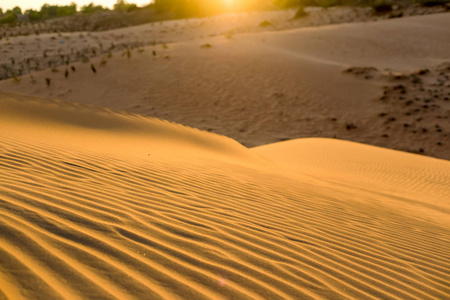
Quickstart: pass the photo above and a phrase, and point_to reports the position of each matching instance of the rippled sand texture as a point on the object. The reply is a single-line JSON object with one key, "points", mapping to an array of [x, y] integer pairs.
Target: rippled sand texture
{"points": [[99, 204]]}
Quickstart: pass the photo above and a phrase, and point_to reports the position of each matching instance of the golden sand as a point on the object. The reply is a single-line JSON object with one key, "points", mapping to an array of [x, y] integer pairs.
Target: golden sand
{"points": [[103, 204]]}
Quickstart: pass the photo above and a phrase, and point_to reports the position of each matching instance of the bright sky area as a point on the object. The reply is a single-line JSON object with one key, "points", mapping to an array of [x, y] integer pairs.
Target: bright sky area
{"points": [[36, 4]]}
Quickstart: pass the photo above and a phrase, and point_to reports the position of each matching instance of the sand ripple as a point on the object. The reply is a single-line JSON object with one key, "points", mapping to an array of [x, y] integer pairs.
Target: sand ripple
{"points": [[80, 220]]}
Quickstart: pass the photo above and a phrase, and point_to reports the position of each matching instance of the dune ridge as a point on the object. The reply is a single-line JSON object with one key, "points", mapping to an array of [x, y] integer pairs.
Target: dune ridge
{"points": [[139, 132], [88, 213]]}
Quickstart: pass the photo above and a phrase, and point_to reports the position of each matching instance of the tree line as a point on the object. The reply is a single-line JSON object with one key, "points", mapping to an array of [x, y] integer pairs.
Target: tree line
{"points": [[12, 16], [182, 8], [176, 8]]}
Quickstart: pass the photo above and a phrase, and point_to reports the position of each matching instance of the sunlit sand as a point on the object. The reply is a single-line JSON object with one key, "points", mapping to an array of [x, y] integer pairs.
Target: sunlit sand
{"points": [[97, 204]]}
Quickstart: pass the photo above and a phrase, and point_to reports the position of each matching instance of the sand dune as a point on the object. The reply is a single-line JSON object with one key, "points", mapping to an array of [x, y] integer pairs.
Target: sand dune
{"points": [[413, 184], [104, 204], [260, 88]]}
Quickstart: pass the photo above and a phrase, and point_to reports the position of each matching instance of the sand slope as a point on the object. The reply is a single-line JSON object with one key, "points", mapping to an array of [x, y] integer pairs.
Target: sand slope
{"points": [[409, 183], [260, 88], [102, 204]]}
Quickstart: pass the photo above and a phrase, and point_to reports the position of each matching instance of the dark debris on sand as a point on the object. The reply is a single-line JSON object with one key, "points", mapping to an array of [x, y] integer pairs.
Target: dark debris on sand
{"points": [[416, 105]]}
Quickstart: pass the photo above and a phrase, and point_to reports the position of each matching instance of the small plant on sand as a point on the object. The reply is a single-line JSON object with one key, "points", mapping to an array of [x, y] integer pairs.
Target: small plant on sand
{"points": [[350, 126], [393, 15], [206, 46], [431, 3], [265, 23], [300, 13], [382, 7]]}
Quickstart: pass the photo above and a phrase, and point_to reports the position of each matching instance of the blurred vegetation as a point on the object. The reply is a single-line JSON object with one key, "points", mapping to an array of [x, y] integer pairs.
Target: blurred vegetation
{"points": [[154, 11], [47, 11], [430, 3], [376, 4], [300, 13], [8, 18], [126, 14], [92, 8], [382, 7], [121, 5]]}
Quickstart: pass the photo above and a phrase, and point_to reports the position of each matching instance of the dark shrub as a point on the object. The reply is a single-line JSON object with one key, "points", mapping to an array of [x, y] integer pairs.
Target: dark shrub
{"points": [[300, 13], [265, 24], [382, 7], [431, 3]]}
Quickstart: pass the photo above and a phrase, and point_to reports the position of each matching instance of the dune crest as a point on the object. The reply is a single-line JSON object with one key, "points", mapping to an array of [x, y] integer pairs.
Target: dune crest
{"points": [[83, 125], [102, 204]]}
